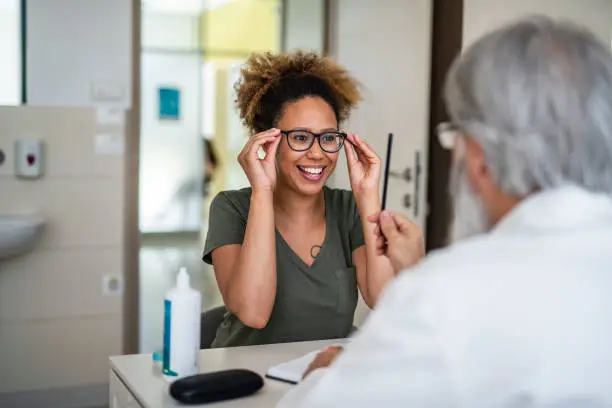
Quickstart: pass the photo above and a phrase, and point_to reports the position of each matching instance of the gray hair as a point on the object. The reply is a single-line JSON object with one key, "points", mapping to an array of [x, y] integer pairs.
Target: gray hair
{"points": [[537, 96]]}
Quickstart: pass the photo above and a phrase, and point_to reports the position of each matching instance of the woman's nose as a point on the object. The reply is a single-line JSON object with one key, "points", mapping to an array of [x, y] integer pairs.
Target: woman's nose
{"points": [[315, 151]]}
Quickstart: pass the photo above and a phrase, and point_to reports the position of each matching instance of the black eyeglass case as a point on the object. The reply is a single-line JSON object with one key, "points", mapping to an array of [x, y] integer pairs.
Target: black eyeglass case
{"points": [[216, 386]]}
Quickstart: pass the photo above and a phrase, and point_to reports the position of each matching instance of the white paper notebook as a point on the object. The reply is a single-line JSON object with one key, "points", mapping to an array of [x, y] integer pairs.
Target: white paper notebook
{"points": [[293, 371]]}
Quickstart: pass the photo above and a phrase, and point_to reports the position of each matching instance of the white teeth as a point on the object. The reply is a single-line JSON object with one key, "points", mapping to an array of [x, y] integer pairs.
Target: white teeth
{"points": [[312, 170]]}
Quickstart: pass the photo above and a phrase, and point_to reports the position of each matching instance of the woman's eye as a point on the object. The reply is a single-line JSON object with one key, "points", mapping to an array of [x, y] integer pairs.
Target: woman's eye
{"points": [[299, 138], [329, 138]]}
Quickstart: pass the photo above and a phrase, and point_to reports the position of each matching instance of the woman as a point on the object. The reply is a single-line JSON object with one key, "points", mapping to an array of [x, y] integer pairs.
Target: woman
{"points": [[290, 253]]}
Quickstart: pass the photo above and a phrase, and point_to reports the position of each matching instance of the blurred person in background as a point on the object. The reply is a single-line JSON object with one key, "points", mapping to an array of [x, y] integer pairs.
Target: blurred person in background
{"points": [[211, 164], [517, 311], [209, 188]]}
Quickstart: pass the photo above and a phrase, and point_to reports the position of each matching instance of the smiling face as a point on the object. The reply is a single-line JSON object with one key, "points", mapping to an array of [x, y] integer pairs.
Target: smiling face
{"points": [[306, 172]]}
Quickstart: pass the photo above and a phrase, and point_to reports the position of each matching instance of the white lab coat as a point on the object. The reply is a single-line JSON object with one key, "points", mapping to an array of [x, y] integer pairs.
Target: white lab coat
{"points": [[518, 317]]}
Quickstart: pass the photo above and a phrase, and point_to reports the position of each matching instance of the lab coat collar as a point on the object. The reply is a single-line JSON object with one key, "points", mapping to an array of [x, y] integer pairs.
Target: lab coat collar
{"points": [[559, 209]]}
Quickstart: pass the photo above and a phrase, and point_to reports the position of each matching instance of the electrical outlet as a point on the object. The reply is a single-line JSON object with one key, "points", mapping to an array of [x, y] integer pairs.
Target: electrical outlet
{"points": [[112, 285]]}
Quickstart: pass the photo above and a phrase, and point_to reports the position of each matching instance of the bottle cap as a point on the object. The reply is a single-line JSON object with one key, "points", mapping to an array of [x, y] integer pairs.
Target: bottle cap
{"points": [[182, 280]]}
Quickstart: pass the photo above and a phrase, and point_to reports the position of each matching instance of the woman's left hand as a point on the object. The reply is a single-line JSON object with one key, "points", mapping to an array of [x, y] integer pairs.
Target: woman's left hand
{"points": [[364, 170]]}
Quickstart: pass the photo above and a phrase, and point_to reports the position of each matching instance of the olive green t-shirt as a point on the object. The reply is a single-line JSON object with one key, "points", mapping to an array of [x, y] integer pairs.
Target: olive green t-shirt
{"points": [[312, 302]]}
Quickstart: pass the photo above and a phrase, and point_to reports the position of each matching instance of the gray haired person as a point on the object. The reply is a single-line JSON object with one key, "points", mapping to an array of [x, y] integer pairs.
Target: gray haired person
{"points": [[517, 311]]}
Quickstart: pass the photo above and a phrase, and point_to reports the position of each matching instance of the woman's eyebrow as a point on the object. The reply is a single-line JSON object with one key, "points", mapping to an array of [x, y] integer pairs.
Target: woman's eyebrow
{"points": [[310, 130]]}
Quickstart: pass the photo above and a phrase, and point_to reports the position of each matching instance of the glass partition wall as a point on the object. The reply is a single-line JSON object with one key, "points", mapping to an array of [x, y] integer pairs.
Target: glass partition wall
{"points": [[190, 59]]}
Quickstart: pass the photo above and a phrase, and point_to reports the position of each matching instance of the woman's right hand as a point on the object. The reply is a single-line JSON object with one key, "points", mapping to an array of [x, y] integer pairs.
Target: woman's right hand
{"points": [[261, 172]]}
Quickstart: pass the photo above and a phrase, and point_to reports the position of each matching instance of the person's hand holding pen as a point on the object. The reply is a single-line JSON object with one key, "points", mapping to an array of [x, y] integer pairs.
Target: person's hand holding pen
{"points": [[398, 238]]}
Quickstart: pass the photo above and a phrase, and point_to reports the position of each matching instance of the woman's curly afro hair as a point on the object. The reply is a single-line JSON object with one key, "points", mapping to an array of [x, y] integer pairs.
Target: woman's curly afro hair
{"points": [[270, 81]]}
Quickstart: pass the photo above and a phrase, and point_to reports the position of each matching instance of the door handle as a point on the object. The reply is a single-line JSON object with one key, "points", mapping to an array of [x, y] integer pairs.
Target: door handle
{"points": [[407, 201], [405, 175], [418, 169]]}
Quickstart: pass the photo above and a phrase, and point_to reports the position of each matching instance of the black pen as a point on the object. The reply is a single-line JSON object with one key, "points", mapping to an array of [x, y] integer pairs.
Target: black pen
{"points": [[387, 170]]}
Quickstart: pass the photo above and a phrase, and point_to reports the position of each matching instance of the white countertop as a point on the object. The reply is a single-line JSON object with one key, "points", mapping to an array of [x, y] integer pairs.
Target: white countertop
{"points": [[145, 382]]}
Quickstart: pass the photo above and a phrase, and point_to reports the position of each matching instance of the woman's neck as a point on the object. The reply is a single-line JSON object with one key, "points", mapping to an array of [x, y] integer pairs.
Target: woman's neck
{"points": [[290, 206]]}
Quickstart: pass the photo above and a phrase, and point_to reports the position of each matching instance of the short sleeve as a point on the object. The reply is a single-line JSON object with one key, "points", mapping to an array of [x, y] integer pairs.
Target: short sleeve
{"points": [[226, 225]]}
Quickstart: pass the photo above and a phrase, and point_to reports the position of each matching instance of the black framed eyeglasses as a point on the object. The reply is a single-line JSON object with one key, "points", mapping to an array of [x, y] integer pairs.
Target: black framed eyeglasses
{"points": [[331, 141]]}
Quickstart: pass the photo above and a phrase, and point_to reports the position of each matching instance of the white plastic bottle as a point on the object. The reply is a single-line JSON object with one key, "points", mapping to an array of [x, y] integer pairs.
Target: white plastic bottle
{"points": [[182, 308]]}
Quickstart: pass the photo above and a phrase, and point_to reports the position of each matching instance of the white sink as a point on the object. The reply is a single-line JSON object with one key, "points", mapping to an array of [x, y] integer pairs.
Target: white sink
{"points": [[18, 234]]}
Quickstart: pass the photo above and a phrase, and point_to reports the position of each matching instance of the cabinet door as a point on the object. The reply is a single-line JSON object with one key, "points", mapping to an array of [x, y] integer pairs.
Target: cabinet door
{"points": [[119, 395]]}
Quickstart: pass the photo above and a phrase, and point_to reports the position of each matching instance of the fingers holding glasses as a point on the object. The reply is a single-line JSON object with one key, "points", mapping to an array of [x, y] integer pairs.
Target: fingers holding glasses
{"points": [[270, 149], [364, 166], [249, 151], [261, 172], [351, 155], [364, 151]]}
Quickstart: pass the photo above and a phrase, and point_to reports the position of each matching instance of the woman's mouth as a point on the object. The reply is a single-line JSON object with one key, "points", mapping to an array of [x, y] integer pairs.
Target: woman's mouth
{"points": [[312, 173]]}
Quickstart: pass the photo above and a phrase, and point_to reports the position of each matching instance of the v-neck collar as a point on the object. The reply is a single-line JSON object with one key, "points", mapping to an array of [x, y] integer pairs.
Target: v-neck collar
{"points": [[294, 256]]}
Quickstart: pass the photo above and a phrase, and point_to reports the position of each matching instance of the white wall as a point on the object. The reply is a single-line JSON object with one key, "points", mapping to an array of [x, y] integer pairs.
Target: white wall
{"points": [[392, 64], [57, 326], [75, 45], [484, 15], [169, 31], [10, 50], [304, 25]]}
